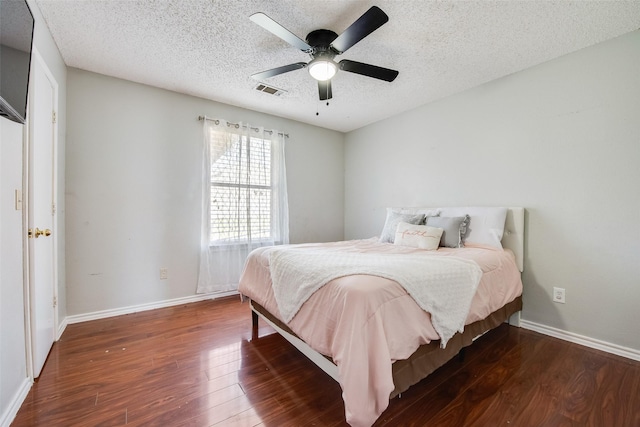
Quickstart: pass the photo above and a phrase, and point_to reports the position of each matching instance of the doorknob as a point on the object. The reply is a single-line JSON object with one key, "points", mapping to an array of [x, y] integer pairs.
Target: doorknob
{"points": [[37, 233]]}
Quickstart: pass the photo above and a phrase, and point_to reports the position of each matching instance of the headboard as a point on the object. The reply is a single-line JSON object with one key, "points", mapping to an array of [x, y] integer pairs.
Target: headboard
{"points": [[513, 237]]}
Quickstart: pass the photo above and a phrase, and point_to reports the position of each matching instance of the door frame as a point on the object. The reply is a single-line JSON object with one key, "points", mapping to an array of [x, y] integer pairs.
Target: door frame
{"points": [[37, 58]]}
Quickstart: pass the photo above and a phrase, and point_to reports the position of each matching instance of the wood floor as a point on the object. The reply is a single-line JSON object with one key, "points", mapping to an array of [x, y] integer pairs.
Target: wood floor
{"points": [[195, 365]]}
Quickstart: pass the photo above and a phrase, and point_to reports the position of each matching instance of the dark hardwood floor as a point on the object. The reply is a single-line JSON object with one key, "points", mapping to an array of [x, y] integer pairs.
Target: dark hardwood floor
{"points": [[195, 365]]}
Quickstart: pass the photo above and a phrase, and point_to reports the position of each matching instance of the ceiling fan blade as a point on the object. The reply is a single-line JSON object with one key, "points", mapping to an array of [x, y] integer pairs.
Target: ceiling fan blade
{"points": [[324, 89], [279, 70], [368, 70], [273, 27], [370, 21]]}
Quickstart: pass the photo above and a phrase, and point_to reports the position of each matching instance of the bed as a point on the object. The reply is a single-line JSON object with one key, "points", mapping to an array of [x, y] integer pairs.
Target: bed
{"points": [[370, 333]]}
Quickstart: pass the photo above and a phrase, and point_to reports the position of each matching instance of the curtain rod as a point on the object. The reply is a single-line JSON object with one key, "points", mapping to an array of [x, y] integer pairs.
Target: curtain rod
{"points": [[237, 125]]}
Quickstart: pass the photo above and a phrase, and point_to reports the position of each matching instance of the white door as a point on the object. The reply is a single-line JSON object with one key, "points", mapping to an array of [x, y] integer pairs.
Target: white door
{"points": [[41, 213]]}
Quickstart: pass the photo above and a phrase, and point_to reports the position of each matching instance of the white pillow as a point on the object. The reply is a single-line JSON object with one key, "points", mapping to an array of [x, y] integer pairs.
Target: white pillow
{"points": [[418, 236], [486, 226], [416, 211]]}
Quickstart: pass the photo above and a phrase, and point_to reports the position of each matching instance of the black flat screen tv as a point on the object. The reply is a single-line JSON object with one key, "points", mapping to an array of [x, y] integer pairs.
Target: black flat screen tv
{"points": [[16, 41]]}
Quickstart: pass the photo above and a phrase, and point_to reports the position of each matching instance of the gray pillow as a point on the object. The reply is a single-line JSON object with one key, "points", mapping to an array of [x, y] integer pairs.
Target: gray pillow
{"points": [[454, 229], [391, 224]]}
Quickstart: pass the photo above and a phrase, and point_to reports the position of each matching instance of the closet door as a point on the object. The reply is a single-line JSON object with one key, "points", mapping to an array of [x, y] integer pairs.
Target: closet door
{"points": [[41, 212]]}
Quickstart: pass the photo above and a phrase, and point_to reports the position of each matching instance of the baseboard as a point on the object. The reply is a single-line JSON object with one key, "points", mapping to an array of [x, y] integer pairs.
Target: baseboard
{"points": [[12, 410], [608, 347], [61, 327], [79, 318]]}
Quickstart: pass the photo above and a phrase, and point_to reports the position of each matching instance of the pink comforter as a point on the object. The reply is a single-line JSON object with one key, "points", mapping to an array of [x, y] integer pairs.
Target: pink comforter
{"points": [[365, 323]]}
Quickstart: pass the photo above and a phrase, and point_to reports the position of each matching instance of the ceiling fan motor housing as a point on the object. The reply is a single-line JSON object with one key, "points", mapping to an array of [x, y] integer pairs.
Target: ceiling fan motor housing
{"points": [[321, 41]]}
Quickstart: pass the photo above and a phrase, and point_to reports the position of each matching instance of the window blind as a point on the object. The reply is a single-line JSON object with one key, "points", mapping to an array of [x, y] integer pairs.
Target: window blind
{"points": [[240, 188]]}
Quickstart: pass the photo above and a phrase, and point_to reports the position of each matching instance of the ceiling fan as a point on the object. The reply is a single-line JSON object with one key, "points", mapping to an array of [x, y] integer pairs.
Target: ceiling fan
{"points": [[323, 46]]}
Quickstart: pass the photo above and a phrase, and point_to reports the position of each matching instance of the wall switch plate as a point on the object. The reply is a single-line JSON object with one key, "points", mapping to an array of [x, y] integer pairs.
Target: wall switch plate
{"points": [[558, 295], [164, 273], [18, 200]]}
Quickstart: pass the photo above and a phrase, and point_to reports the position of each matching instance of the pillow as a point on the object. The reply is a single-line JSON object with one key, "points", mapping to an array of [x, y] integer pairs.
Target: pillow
{"points": [[487, 224], [418, 236], [391, 223], [417, 211], [454, 229]]}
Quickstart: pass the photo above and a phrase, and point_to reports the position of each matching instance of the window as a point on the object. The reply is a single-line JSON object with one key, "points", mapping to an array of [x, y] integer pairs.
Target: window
{"points": [[240, 188], [244, 197]]}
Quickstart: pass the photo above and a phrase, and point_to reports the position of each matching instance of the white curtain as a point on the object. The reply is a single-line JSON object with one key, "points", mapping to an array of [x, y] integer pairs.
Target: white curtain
{"points": [[244, 199]]}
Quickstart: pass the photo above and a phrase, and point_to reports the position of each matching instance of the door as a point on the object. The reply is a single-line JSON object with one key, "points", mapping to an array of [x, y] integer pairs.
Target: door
{"points": [[41, 212]]}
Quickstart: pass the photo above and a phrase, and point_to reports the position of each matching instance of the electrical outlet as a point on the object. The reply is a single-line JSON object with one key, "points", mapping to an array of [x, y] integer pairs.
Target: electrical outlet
{"points": [[558, 295], [164, 273]]}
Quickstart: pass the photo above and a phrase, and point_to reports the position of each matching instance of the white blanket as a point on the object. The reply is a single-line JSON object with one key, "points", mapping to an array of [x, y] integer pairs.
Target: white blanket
{"points": [[442, 286]]}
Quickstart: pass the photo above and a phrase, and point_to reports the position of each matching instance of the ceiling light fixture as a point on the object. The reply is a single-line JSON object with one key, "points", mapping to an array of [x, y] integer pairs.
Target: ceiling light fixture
{"points": [[322, 69]]}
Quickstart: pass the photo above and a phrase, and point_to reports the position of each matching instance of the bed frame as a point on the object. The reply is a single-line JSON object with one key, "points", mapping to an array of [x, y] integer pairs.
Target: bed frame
{"points": [[428, 357]]}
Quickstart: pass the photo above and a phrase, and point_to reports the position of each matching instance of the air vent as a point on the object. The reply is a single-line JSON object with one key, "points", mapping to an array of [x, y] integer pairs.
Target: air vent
{"points": [[270, 89]]}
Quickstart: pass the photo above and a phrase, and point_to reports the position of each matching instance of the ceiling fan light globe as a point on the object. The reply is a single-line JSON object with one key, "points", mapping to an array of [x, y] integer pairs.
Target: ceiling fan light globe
{"points": [[322, 69]]}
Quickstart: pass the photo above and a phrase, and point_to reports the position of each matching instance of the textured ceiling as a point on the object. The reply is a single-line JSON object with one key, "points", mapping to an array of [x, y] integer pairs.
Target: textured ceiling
{"points": [[209, 48]]}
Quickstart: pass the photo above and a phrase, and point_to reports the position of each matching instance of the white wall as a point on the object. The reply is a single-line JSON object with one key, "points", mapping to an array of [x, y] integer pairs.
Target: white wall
{"points": [[561, 139], [133, 189], [13, 364]]}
